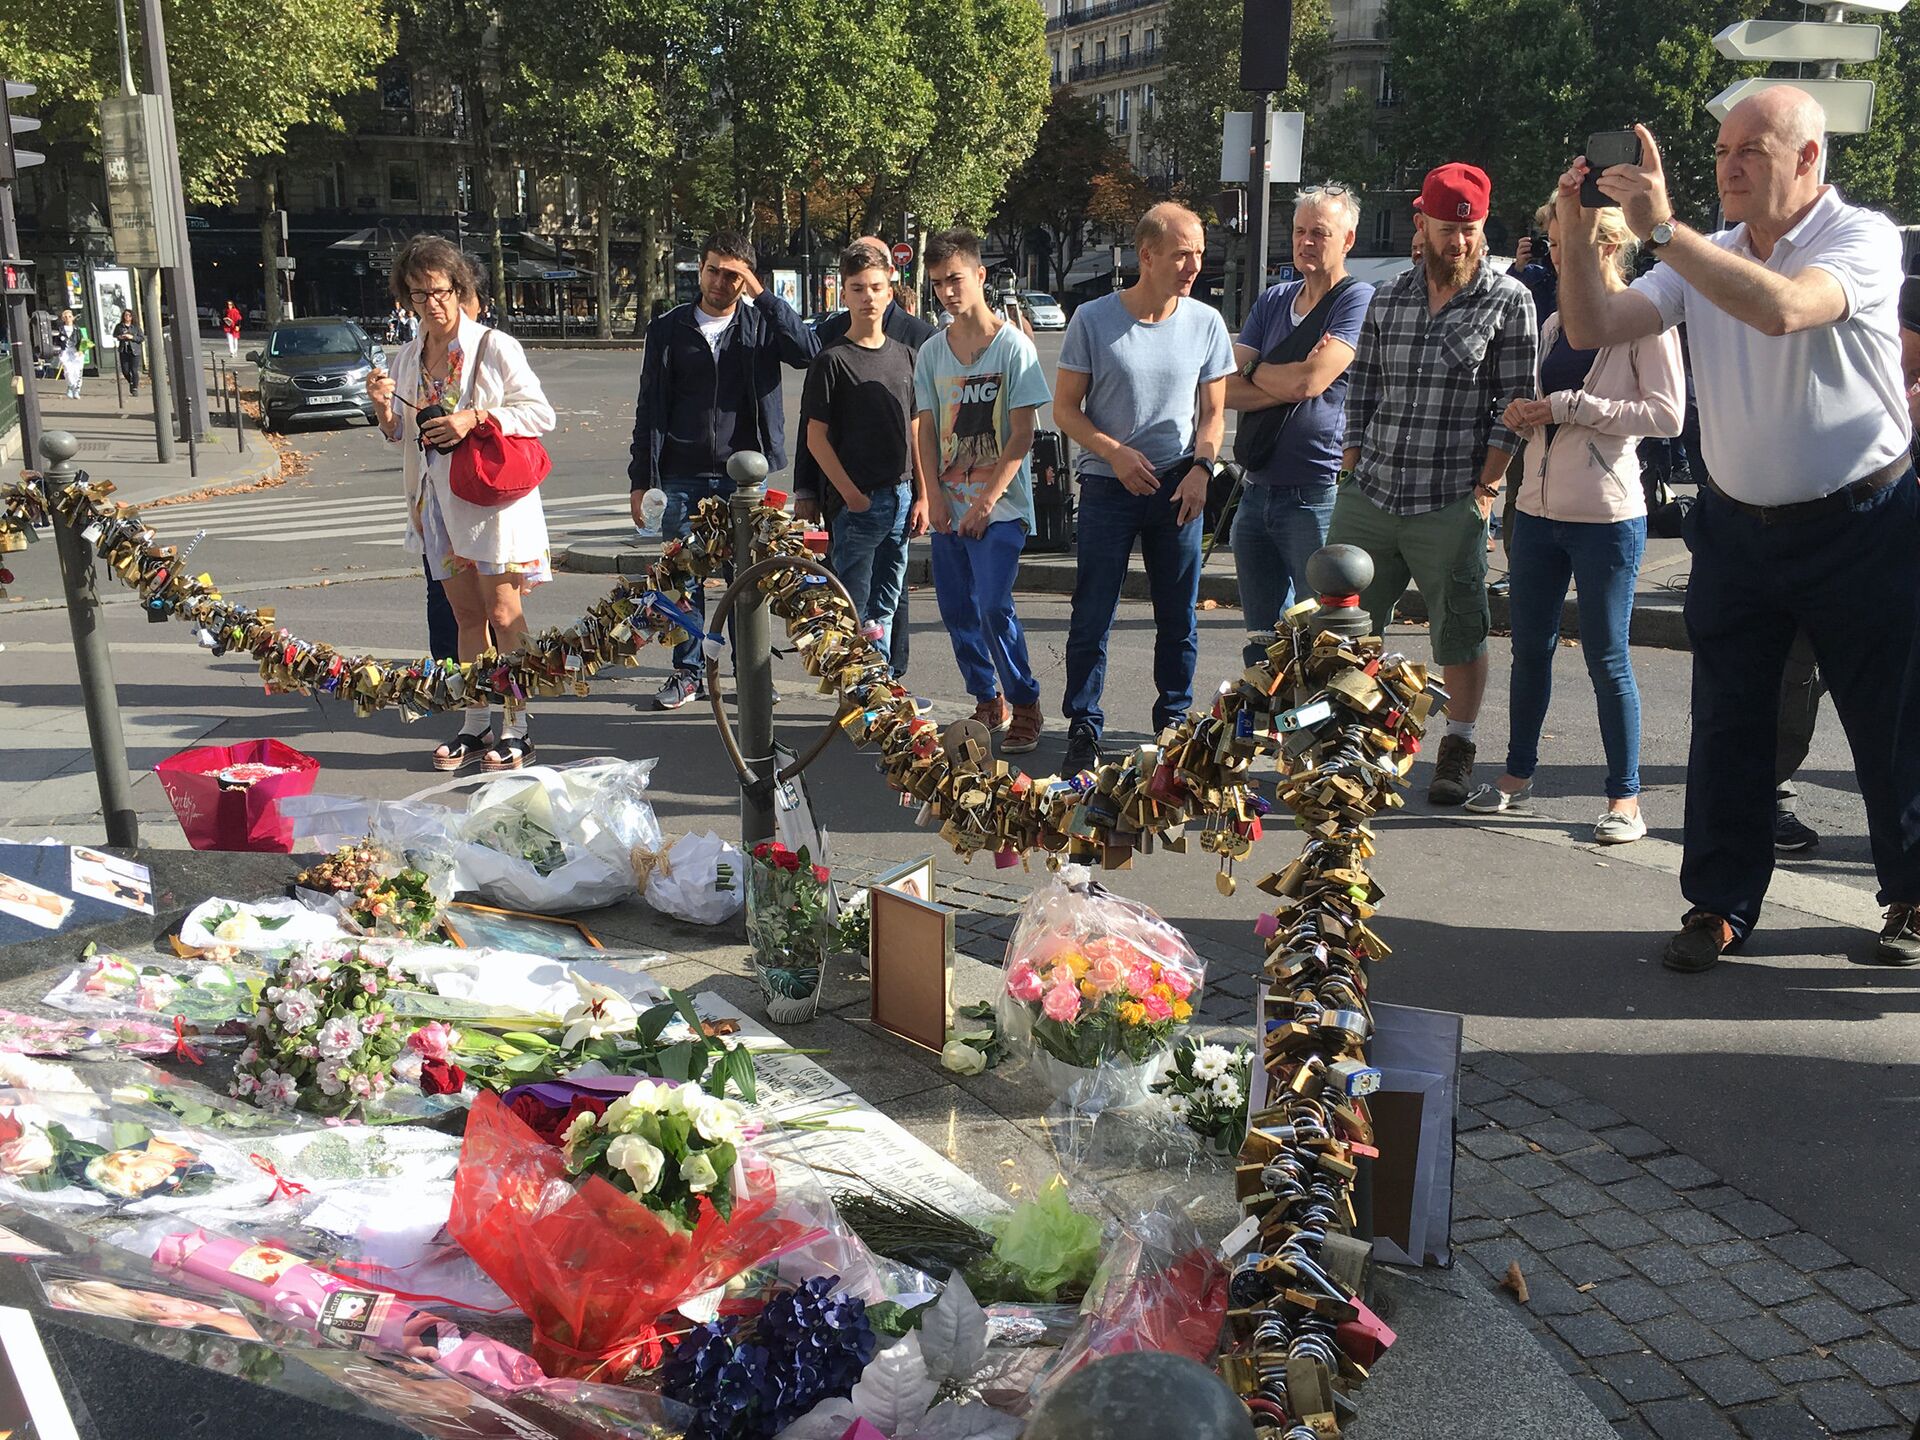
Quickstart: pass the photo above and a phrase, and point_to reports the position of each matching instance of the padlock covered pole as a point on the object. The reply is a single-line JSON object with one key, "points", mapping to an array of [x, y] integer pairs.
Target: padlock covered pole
{"points": [[752, 656]]}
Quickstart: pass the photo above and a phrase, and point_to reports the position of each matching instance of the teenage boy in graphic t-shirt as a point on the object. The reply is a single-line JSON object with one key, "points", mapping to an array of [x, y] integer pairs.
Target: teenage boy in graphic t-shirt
{"points": [[977, 388]]}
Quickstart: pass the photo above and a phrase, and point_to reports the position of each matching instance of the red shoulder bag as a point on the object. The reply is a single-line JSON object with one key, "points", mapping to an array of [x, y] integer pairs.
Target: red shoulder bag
{"points": [[491, 467]]}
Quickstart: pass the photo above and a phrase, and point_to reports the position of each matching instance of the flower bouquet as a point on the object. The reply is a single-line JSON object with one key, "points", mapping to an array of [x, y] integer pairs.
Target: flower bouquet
{"points": [[1206, 1088], [325, 1038], [49, 1156], [790, 927], [642, 1206], [398, 904], [1097, 986]]}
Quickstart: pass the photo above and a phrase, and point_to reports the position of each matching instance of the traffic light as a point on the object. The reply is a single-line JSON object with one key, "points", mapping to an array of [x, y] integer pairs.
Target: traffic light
{"points": [[17, 276], [1231, 207], [12, 159]]}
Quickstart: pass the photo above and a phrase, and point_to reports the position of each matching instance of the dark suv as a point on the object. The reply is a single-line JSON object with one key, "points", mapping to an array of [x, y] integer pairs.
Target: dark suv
{"points": [[316, 367]]}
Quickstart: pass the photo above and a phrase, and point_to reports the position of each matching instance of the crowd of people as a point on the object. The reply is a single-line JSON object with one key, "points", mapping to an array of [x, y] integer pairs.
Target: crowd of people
{"points": [[1399, 419]]}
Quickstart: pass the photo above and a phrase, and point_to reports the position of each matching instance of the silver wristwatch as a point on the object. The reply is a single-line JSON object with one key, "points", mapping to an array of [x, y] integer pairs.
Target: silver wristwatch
{"points": [[1661, 234]]}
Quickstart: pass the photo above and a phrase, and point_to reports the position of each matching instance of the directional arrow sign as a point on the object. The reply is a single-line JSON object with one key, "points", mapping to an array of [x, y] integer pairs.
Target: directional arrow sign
{"points": [[1848, 103], [1798, 40]]}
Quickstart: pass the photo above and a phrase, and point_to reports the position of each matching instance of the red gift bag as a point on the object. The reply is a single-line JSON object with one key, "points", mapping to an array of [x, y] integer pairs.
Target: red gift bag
{"points": [[231, 814]]}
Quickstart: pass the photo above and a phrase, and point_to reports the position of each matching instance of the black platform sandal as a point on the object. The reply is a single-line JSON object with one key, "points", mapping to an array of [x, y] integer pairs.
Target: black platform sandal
{"points": [[463, 750], [511, 753]]}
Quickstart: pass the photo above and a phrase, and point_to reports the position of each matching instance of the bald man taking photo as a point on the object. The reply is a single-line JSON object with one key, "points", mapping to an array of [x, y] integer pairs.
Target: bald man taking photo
{"points": [[1810, 515]]}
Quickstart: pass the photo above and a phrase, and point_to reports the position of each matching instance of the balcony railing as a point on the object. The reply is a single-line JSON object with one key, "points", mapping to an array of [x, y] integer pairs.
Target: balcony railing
{"points": [[1086, 14], [1113, 65]]}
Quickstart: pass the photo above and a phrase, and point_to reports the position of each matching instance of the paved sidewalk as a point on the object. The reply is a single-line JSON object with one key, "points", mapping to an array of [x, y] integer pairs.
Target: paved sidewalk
{"points": [[116, 443]]}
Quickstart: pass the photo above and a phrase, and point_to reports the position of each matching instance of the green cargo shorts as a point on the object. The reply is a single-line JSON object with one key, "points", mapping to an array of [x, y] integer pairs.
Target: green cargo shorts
{"points": [[1444, 552]]}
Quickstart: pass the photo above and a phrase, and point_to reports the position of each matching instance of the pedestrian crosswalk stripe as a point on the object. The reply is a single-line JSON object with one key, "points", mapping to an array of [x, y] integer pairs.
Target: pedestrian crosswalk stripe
{"points": [[370, 520], [270, 506]]}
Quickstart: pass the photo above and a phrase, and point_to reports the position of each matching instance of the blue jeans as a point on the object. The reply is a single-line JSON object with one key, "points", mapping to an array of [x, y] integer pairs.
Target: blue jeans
{"points": [[1111, 519], [683, 498], [870, 556], [1602, 561], [1275, 532], [973, 583], [1852, 582]]}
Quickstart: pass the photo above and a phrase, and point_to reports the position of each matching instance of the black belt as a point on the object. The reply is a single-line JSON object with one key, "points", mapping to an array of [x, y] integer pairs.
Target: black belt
{"points": [[1836, 503]]}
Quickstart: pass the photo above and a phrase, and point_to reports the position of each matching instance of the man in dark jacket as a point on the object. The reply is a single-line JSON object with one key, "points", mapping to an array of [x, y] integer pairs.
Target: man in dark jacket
{"points": [[811, 493], [709, 387]]}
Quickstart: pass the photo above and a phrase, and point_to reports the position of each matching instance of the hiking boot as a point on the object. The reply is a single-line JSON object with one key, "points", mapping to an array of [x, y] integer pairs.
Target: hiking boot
{"points": [[680, 687], [995, 714], [1452, 768], [1791, 833], [1900, 937], [1024, 733], [1702, 940], [1083, 750]]}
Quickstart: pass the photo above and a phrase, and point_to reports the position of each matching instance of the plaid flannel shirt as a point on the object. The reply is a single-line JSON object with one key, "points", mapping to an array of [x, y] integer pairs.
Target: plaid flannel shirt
{"points": [[1425, 392]]}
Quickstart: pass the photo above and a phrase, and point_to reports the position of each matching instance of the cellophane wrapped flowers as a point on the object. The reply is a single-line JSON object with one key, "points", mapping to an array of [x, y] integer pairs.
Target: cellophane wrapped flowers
{"points": [[671, 1147], [325, 1038]]}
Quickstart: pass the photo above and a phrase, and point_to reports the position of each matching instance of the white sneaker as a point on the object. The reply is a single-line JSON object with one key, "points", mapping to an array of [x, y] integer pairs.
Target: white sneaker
{"points": [[1492, 800], [1613, 828]]}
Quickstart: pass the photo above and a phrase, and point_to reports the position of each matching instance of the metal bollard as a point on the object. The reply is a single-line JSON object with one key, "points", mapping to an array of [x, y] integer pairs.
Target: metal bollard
{"points": [[91, 653], [239, 412], [752, 656], [1338, 575]]}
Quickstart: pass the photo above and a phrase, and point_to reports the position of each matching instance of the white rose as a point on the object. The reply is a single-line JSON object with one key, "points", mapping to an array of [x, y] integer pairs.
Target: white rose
{"points": [[719, 1122], [698, 1173], [236, 928], [28, 1154], [962, 1058], [642, 1161]]}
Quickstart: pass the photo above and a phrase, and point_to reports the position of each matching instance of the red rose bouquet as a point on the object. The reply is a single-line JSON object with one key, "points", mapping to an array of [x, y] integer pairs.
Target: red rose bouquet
{"points": [[790, 927]]}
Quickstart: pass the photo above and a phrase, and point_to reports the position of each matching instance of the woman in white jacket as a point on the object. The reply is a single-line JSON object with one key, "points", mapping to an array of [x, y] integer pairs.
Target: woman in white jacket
{"points": [[1582, 518], [487, 556]]}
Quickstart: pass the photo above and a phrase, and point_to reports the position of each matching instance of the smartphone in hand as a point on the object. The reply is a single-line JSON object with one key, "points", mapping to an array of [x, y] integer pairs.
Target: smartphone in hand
{"points": [[1604, 151]]}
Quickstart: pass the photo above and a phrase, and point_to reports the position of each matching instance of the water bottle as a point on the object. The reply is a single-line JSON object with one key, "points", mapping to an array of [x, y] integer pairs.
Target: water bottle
{"points": [[653, 505]]}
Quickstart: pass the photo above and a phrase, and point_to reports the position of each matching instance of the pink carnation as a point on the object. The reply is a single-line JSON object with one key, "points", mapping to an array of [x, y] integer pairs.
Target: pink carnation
{"points": [[433, 1041], [1177, 980], [1062, 1003], [1158, 1007], [1023, 982]]}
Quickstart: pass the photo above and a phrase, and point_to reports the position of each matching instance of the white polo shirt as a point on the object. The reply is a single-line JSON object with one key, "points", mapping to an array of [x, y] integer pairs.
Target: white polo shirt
{"points": [[1790, 418]]}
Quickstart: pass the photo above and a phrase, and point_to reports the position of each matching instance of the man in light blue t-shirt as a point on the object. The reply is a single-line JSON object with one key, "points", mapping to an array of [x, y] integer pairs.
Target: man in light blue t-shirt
{"points": [[1142, 391]]}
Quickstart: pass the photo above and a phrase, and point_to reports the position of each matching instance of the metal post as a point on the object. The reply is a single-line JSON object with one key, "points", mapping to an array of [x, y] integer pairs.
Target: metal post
{"points": [[239, 415], [186, 318], [806, 257], [90, 650], [20, 334], [752, 655], [1259, 207], [158, 380]]}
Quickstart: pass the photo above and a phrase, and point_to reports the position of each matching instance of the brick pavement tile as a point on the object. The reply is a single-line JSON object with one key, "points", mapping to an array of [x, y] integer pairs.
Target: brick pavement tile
{"points": [[1760, 1337], [1530, 1170], [1680, 1337], [1844, 1406], [1592, 1334], [1643, 1195], [1602, 1166], [1547, 1231], [1504, 1200], [1617, 1229], [1779, 1420], [1728, 1380], [1467, 1118], [1890, 1432], [1666, 1263], [1635, 1143], [1604, 1397], [1823, 1321], [1633, 1300], [1548, 1092], [1491, 1144], [1512, 1112], [1691, 1419], [1804, 1251], [1556, 1348], [1691, 1227], [1681, 1172], [1504, 1068], [1768, 1282], [1905, 1399], [1800, 1369], [1862, 1289], [1713, 1300], [1476, 1229], [1587, 1264], [1640, 1377], [1754, 1220], [1879, 1363], [1574, 1198], [1730, 1253], [1551, 1295], [1633, 1428], [1479, 1090], [1903, 1324], [1715, 1196], [1560, 1138], [1590, 1115], [1501, 1251]]}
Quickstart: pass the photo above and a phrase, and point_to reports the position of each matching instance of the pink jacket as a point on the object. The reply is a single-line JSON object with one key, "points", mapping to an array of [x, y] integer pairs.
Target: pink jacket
{"points": [[1591, 470]]}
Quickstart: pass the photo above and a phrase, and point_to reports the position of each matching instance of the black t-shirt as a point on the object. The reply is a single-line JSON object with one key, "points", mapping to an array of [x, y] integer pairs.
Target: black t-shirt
{"points": [[865, 397], [1910, 303]]}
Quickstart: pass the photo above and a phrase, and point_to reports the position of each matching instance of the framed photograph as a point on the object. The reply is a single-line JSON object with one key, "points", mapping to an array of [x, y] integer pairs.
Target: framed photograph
{"points": [[30, 1403], [910, 955], [913, 879], [481, 927]]}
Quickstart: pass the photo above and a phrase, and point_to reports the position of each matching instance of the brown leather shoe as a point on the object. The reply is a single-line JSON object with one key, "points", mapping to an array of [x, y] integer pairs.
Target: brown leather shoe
{"points": [[1452, 769], [1702, 940], [1024, 733], [995, 714]]}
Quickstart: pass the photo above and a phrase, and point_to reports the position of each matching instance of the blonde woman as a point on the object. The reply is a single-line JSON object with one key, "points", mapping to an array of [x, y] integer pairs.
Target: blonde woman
{"points": [[72, 341], [151, 1307], [486, 556], [1581, 516]]}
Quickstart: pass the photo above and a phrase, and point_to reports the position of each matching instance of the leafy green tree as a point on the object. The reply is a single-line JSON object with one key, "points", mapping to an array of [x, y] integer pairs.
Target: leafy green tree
{"points": [[1054, 189]]}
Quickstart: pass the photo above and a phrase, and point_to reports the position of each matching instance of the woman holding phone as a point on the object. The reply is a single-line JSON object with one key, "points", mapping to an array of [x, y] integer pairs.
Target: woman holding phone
{"points": [[454, 375], [1581, 516]]}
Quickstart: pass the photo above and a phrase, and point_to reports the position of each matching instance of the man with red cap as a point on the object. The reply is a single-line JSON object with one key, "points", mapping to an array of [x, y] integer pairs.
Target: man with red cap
{"points": [[1443, 349]]}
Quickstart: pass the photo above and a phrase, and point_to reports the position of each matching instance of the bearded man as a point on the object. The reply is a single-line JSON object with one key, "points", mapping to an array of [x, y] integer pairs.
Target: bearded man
{"points": [[1443, 349]]}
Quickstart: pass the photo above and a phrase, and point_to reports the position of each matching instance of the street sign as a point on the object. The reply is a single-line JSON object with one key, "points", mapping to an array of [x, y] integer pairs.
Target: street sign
{"points": [[1798, 40], [1285, 131], [1878, 7], [902, 254], [1848, 103], [133, 154]]}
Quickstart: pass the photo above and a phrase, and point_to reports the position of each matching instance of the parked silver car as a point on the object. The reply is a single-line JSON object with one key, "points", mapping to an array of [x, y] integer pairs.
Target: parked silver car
{"points": [[1043, 310], [316, 367]]}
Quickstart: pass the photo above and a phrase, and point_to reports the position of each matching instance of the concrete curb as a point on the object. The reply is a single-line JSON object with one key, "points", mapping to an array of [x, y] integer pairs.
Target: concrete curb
{"points": [[618, 342], [1654, 626]]}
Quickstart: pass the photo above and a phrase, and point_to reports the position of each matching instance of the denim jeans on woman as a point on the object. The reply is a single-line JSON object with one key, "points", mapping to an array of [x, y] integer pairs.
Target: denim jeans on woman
{"points": [[1276, 529], [1603, 562]]}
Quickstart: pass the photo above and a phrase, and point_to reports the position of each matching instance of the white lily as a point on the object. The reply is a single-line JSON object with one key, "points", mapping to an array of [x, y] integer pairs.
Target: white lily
{"points": [[600, 1012]]}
